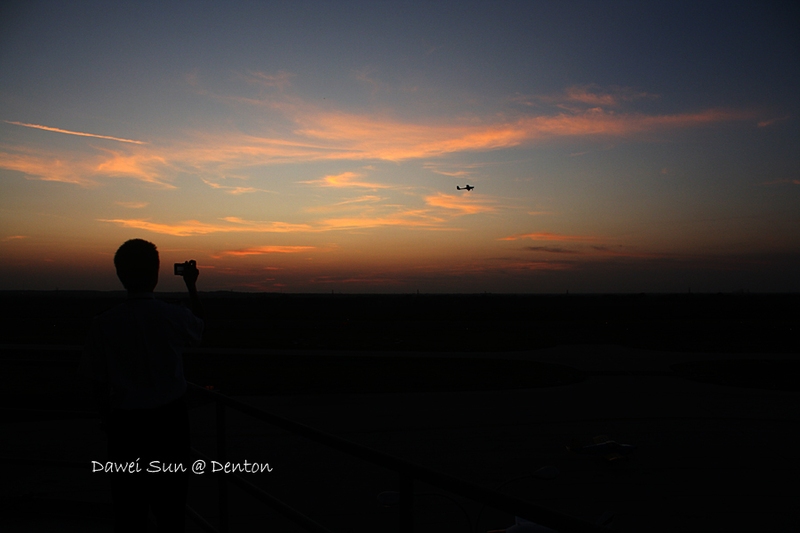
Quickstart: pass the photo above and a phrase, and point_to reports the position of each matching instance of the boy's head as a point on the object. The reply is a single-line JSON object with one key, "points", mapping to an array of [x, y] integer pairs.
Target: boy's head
{"points": [[137, 265]]}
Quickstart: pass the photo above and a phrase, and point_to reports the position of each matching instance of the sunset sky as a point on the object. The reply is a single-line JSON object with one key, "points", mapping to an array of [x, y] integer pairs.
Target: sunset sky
{"points": [[317, 146]]}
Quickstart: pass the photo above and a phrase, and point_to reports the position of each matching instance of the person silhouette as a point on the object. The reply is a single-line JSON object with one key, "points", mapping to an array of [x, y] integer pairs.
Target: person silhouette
{"points": [[133, 356]]}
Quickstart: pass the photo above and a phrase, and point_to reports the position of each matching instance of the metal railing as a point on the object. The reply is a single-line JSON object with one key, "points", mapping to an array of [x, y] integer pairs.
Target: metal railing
{"points": [[407, 471]]}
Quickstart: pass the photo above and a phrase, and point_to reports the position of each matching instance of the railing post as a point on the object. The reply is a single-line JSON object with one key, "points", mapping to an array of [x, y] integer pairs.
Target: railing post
{"points": [[222, 482], [406, 503]]}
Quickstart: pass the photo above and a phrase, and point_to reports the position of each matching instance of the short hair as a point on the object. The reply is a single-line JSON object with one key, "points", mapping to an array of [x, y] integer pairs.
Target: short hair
{"points": [[137, 265]]}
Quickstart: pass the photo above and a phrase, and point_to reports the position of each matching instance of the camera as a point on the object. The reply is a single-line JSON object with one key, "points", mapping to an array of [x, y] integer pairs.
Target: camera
{"points": [[187, 266]]}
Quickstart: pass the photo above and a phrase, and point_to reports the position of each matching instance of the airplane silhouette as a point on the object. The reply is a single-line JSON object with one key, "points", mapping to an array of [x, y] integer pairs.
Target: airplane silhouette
{"points": [[467, 188]]}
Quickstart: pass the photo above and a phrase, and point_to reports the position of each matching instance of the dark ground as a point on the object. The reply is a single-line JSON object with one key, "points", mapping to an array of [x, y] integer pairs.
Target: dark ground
{"points": [[431, 378], [294, 327], [731, 323]]}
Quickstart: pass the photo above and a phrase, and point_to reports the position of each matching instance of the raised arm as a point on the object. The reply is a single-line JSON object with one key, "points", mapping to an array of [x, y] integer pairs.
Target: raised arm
{"points": [[190, 275]]}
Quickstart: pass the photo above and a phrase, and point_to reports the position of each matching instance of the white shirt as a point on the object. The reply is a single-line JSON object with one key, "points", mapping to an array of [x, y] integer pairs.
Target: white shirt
{"points": [[137, 349]]}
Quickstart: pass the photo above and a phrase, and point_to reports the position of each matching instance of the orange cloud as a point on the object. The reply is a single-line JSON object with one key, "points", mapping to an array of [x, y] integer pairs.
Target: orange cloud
{"points": [[453, 173], [194, 227], [260, 250], [230, 189], [182, 229], [346, 179], [269, 227], [132, 205], [467, 205], [13, 238], [409, 219], [324, 135], [367, 137], [85, 168], [48, 167], [144, 166], [598, 122], [461, 171]]}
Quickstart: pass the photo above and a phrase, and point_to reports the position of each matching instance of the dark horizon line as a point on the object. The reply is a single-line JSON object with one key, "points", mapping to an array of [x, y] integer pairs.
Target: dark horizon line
{"points": [[122, 292]]}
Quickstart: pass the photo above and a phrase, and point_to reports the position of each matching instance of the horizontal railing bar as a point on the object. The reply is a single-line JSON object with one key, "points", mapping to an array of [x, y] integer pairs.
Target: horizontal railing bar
{"points": [[499, 501], [502, 502], [199, 520], [34, 361], [270, 500], [45, 462], [73, 414]]}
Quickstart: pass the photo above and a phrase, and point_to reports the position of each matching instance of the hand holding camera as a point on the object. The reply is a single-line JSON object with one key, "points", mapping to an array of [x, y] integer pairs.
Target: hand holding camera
{"points": [[189, 271]]}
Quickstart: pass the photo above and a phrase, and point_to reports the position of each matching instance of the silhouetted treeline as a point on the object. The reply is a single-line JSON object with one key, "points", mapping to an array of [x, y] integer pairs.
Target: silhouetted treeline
{"points": [[481, 322]]}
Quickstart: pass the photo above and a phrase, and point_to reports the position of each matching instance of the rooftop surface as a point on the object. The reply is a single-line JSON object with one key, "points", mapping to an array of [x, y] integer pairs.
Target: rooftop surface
{"points": [[708, 457]]}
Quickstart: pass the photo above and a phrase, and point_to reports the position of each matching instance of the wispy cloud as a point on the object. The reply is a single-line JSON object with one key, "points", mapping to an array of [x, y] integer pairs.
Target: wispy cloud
{"points": [[70, 132], [269, 227], [13, 238], [231, 189], [150, 167], [770, 122], [369, 138], [315, 134], [47, 166], [595, 95], [516, 264], [619, 251], [550, 249], [449, 169], [409, 218], [323, 134], [345, 179], [367, 75], [466, 205], [349, 204], [280, 80], [133, 205], [86, 169], [586, 95], [261, 250], [596, 122], [194, 227], [546, 236], [360, 137], [597, 251], [453, 173]]}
